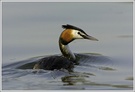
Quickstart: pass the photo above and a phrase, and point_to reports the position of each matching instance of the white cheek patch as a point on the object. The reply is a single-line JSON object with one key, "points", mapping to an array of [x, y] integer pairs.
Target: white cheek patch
{"points": [[76, 35]]}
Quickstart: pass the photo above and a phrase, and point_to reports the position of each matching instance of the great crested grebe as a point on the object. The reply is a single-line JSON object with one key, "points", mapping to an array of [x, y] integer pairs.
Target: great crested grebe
{"points": [[66, 61]]}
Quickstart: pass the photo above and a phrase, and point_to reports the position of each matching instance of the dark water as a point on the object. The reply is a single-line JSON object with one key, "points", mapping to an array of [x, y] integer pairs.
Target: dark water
{"points": [[31, 31], [93, 72]]}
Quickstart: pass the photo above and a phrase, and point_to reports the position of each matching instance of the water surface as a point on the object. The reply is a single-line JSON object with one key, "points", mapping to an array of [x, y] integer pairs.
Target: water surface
{"points": [[31, 31]]}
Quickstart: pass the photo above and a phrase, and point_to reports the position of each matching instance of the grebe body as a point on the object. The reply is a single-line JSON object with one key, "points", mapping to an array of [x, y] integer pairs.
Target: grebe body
{"points": [[54, 62], [67, 60]]}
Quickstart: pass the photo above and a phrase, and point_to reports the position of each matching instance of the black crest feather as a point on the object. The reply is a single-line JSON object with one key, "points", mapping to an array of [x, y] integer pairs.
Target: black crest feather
{"points": [[72, 27]]}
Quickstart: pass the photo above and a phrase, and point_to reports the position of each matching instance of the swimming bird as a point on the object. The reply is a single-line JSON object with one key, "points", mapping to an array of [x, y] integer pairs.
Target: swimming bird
{"points": [[67, 59]]}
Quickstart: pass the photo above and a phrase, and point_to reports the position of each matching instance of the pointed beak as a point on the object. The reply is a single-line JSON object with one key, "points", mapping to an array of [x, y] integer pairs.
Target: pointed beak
{"points": [[89, 37]]}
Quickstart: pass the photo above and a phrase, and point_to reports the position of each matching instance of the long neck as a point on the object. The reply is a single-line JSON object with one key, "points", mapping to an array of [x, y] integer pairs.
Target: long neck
{"points": [[66, 51]]}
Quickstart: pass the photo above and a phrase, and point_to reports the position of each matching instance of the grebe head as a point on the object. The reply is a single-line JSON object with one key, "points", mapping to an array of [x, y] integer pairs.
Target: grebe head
{"points": [[71, 33], [68, 35]]}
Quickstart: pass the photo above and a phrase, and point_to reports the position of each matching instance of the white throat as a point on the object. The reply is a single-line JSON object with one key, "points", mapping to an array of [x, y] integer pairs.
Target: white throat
{"points": [[67, 52]]}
